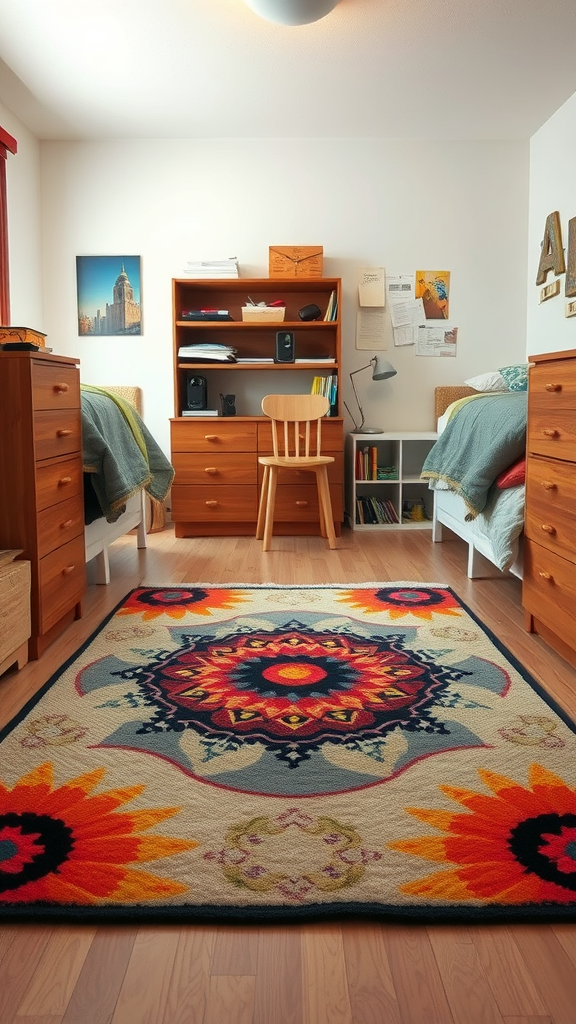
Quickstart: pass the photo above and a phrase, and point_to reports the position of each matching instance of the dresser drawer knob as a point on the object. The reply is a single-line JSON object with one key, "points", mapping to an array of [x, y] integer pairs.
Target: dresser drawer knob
{"points": [[553, 387], [550, 432], [548, 528], [547, 576], [212, 503], [548, 485], [63, 432], [64, 480], [67, 524], [302, 504], [210, 437], [61, 387], [68, 569], [211, 470]]}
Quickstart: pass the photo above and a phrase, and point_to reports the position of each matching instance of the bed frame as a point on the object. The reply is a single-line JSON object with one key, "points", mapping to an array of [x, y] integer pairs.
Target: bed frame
{"points": [[449, 509], [99, 534]]}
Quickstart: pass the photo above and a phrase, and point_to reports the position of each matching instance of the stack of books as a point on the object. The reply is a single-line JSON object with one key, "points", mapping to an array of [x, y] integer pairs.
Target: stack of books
{"points": [[375, 511], [332, 308], [212, 268], [367, 467], [204, 352]]}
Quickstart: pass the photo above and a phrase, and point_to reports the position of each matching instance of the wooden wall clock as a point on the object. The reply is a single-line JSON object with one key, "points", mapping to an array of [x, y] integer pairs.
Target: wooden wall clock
{"points": [[295, 261]]}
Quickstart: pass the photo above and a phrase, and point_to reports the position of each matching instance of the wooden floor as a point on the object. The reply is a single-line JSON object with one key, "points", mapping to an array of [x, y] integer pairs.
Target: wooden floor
{"points": [[354, 972]]}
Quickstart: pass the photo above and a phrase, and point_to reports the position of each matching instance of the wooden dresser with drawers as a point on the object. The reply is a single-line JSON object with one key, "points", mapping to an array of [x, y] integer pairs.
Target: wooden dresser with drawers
{"points": [[218, 478], [41, 485], [549, 581]]}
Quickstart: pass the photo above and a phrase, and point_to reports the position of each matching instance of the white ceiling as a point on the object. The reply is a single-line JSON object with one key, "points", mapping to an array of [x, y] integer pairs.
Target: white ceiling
{"points": [[184, 69]]}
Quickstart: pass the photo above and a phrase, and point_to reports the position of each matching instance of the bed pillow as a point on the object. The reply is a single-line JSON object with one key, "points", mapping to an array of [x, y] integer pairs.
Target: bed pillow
{"points": [[515, 377], [513, 476], [492, 381]]}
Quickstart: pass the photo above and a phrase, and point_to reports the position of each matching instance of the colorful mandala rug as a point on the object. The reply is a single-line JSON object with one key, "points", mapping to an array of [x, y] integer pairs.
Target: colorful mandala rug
{"points": [[289, 752]]}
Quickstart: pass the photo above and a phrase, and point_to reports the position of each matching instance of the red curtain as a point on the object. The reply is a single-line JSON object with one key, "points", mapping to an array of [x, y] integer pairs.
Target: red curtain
{"points": [[7, 145]]}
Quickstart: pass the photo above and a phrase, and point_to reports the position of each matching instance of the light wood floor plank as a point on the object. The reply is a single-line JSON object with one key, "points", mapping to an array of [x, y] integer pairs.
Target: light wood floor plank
{"points": [[100, 980], [553, 972], [57, 972], [146, 986], [508, 976], [415, 974], [19, 965], [370, 985], [278, 990], [464, 981], [188, 995], [231, 1000], [235, 951], [326, 999]]}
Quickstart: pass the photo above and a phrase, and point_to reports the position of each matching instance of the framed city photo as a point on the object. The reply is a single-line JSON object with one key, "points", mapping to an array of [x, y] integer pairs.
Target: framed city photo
{"points": [[109, 299]]}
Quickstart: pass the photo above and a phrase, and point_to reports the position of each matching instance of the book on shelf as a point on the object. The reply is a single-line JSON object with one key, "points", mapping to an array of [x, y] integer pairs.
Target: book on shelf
{"points": [[317, 359], [327, 386], [207, 353], [375, 511], [255, 359], [205, 315], [200, 412], [332, 308]]}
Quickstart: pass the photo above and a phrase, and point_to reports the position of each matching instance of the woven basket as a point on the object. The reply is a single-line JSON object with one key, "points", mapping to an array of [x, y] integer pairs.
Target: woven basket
{"points": [[14, 607]]}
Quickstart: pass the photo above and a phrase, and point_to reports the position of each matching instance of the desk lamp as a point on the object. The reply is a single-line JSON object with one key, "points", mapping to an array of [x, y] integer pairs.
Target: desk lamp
{"points": [[381, 370]]}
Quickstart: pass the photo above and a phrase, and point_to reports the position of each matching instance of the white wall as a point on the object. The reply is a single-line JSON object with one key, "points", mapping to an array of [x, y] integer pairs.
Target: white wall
{"points": [[25, 252], [402, 205], [552, 175]]}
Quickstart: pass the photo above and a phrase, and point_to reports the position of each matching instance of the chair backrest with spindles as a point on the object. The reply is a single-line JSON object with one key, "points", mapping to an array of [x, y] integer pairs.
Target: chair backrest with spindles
{"points": [[296, 424]]}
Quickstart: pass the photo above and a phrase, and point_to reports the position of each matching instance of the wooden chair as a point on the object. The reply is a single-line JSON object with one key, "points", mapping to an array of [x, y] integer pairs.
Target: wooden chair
{"points": [[296, 422]]}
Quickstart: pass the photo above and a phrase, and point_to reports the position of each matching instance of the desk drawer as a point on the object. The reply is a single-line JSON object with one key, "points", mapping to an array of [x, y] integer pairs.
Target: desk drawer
{"points": [[62, 581], [55, 387], [300, 504], [60, 523], [552, 386], [550, 485], [218, 436], [57, 433], [239, 468], [58, 481], [551, 527], [217, 503]]}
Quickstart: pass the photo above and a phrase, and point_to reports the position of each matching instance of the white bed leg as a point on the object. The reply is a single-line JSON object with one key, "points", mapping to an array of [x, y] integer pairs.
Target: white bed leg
{"points": [[475, 561], [436, 524], [103, 567], [142, 541]]}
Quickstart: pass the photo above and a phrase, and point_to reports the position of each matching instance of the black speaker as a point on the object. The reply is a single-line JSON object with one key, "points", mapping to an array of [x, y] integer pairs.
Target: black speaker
{"points": [[196, 392], [284, 347], [311, 312], [228, 403]]}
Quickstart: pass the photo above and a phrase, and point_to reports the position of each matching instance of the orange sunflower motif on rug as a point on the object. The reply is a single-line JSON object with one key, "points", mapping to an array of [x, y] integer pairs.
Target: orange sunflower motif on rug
{"points": [[517, 846], [177, 602], [67, 845], [398, 601]]}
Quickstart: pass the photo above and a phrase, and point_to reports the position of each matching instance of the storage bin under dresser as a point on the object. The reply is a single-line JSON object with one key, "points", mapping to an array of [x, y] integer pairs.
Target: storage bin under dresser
{"points": [[41, 487], [549, 578]]}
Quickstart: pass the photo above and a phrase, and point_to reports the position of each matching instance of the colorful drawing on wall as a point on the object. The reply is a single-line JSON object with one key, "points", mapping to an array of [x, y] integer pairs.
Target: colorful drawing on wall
{"points": [[109, 301], [433, 287]]}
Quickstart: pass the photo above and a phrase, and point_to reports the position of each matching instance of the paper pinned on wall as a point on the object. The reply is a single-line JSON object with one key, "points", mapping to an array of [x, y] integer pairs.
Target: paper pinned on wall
{"points": [[372, 286], [436, 341], [370, 329], [400, 287]]}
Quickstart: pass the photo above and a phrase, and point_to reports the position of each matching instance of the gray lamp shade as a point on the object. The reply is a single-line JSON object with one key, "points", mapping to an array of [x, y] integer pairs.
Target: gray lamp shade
{"points": [[382, 369], [292, 12]]}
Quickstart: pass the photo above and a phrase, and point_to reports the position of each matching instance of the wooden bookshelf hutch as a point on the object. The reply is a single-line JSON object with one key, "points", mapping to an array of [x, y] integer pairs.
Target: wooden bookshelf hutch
{"points": [[218, 478]]}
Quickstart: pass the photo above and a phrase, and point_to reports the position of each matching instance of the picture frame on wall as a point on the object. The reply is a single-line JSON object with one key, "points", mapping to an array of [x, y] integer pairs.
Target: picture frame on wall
{"points": [[109, 295]]}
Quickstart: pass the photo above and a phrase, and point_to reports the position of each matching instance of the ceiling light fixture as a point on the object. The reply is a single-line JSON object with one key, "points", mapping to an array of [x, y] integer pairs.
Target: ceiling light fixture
{"points": [[292, 12]]}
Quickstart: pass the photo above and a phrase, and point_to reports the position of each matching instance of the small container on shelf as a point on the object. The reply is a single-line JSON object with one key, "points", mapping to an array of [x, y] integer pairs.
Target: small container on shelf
{"points": [[263, 314]]}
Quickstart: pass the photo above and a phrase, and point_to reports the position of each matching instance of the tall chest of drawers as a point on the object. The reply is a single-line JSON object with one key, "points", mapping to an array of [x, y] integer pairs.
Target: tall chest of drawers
{"points": [[549, 582], [41, 486]]}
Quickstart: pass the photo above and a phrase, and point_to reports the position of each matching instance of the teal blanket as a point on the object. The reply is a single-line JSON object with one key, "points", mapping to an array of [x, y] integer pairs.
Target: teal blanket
{"points": [[120, 454], [482, 439]]}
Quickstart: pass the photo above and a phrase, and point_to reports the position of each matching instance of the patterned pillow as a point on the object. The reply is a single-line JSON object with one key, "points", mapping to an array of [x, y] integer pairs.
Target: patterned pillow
{"points": [[515, 377]]}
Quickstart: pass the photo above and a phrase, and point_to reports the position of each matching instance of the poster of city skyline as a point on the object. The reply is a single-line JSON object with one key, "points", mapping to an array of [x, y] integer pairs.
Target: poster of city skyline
{"points": [[109, 295]]}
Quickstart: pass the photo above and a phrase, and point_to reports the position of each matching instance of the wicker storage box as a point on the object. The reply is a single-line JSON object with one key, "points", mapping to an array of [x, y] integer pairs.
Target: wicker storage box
{"points": [[22, 334], [263, 314], [14, 607]]}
